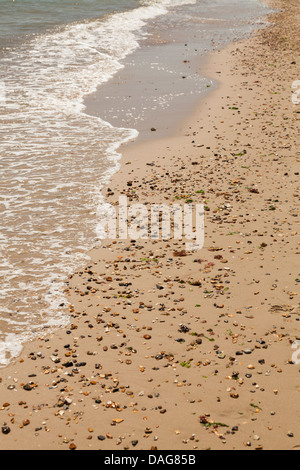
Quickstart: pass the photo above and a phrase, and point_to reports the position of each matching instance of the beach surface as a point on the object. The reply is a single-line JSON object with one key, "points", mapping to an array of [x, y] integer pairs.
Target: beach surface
{"points": [[171, 349]]}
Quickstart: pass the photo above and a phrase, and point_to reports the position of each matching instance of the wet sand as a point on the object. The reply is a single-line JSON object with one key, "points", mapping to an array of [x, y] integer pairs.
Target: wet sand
{"points": [[168, 349]]}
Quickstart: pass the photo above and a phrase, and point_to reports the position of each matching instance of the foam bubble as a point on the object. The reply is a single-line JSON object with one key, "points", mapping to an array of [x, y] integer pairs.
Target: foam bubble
{"points": [[10, 348]]}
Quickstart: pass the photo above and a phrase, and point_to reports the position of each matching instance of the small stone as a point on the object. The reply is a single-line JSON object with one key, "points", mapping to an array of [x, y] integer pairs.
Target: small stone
{"points": [[234, 395], [28, 387], [247, 351], [5, 430]]}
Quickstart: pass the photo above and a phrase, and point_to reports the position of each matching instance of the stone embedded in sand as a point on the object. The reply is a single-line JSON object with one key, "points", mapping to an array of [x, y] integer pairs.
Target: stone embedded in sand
{"points": [[117, 421], [5, 430], [29, 387], [247, 351], [68, 364], [180, 254], [234, 395], [183, 329]]}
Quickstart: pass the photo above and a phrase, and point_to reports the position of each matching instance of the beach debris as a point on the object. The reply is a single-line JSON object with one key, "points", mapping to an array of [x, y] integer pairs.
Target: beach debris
{"points": [[5, 430]]}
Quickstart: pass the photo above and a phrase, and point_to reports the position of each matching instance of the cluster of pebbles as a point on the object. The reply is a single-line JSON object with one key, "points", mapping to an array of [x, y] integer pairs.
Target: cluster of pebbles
{"points": [[170, 349]]}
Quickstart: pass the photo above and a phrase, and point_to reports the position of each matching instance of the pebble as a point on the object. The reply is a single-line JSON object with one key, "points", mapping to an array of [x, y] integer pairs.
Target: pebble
{"points": [[5, 430]]}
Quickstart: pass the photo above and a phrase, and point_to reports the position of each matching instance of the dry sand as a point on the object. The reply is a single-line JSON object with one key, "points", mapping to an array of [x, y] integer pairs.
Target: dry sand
{"points": [[204, 361]]}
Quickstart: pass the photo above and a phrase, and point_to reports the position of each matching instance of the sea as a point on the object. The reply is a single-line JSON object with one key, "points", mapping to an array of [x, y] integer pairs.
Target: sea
{"points": [[55, 156]]}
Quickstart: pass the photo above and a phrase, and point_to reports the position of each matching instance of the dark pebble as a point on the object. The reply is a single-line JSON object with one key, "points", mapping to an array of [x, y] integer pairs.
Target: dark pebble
{"points": [[5, 430], [68, 364], [27, 387]]}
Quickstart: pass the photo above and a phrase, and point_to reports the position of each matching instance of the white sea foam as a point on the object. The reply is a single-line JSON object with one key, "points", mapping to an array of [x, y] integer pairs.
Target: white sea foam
{"points": [[10, 348]]}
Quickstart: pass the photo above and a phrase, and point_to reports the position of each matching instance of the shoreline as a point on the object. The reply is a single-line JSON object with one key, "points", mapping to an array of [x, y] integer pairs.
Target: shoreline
{"points": [[134, 388], [129, 80]]}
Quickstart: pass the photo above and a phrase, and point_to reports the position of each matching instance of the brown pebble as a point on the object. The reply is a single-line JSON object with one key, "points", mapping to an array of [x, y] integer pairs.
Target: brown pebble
{"points": [[234, 395]]}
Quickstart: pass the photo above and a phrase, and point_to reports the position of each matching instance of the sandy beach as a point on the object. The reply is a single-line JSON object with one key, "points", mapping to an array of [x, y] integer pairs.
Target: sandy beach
{"points": [[174, 350]]}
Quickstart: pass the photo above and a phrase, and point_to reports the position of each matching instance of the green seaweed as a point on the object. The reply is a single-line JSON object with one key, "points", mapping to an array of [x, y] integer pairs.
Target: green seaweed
{"points": [[187, 364]]}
